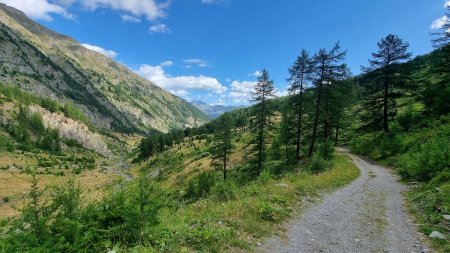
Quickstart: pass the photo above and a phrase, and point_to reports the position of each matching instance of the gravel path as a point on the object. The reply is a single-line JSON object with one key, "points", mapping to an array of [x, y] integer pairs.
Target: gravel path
{"points": [[366, 216]]}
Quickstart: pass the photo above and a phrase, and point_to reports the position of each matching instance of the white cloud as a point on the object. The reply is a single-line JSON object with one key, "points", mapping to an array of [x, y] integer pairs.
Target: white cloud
{"points": [[166, 63], [281, 93], [211, 2], [439, 23], [180, 85], [150, 9], [109, 53], [241, 91], [39, 9], [159, 28], [447, 4], [197, 62], [129, 18], [132, 10], [256, 73]]}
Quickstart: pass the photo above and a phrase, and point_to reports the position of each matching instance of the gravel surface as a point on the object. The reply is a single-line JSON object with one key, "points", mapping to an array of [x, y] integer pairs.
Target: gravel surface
{"points": [[366, 216]]}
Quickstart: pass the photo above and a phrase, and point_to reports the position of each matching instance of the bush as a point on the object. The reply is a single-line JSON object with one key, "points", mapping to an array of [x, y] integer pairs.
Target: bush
{"points": [[426, 160], [326, 149], [5, 143], [224, 191], [5, 199], [318, 164], [267, 212], [363, 144], [409, 118], [200, 187], [205, 183]]}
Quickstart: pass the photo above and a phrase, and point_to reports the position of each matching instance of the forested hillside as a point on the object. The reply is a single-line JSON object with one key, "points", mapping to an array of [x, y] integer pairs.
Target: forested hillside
{"points": [[55, 66], [226, 185]]}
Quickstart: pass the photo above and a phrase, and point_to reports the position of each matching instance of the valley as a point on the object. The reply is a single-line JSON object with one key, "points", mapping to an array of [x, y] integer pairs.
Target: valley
{"points": [[96, 156]]}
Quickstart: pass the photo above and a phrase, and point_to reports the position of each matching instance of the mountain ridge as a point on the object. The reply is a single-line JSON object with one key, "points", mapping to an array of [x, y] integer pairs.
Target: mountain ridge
{"points": [[214, 111], [56, 66]]}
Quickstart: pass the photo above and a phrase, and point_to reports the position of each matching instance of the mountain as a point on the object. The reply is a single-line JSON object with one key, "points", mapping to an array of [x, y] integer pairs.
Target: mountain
{"points": [[214, 111], [56, 66]]}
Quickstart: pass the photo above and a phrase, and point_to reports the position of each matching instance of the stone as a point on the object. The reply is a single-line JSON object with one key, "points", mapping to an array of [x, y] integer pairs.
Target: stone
{"points": [[436, 234], [446, 216], [282, 185]]}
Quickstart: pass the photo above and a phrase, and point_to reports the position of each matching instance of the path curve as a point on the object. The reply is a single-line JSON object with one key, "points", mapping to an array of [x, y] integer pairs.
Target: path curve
{"points": [[366, 216]]}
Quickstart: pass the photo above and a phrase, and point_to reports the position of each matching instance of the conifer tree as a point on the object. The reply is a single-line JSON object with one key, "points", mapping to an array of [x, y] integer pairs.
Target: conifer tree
{"points": [[223, 145], [326, 69], [384, 81], [286, 132], [261, 116], [299, 75], [442, 39]]}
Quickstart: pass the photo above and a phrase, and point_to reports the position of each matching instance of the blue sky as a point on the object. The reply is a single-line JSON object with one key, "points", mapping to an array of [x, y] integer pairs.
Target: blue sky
{"points": [[211, 49]]}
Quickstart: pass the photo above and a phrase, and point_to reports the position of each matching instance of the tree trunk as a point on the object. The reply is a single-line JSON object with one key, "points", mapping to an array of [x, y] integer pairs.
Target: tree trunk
{"points": [[385, 105], [225, 165], [299, 120], [336, 136], [316, 121], [326, 123], [261, 136]]}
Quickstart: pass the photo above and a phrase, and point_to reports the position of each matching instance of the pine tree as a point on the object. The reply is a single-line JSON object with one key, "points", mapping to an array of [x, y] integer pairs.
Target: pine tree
{"points": [[261, 116], [300, 73], [342, 95], [223, 145], [326, 69], [442, 39], [286, 132], [385, 77]]}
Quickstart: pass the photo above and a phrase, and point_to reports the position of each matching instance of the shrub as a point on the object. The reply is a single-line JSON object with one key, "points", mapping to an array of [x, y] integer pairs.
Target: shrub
{"points": [[191, 192], [205, 183], [201, 186], [5, 143], [326, 149], [5, 199], [318, 164], [224, 191], [425, 161], [409, 118], [363, 144], [267, 212], [265, 175]]}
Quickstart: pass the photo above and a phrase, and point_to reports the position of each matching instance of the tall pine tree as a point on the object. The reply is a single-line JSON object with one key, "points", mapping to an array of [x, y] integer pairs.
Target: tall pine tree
{"points": [[327, 67], [261, 116], [223, 145], [299, 75], [385, 79]]}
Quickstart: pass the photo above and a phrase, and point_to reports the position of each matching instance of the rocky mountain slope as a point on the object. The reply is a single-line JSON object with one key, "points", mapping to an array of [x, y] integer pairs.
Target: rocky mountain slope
{"points": [[214, 111], [52, 65]]}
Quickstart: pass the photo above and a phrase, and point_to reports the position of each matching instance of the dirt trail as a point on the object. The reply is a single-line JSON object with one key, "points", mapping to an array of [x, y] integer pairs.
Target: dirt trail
{"points": [[366, 216]]}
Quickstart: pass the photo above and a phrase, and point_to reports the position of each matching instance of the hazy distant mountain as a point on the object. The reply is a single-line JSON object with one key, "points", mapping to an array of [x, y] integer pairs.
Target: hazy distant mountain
{"points": [[214, 111], [56, 66]]}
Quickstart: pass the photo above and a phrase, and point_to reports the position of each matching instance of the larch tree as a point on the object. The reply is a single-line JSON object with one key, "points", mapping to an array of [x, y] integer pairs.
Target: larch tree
{"points": [[262, 113], [223, 143], [327, 67], [442, 39], [385, 77], [299, 75]]}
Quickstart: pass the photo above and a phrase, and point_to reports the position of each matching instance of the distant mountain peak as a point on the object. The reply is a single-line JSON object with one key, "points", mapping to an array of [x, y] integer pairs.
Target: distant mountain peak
{"points": [[214, 111]]}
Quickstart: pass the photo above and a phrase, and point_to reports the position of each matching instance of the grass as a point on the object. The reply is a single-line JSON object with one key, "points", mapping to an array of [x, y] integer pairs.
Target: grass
{"points": [[15, 183], [209, 225], [427, 204]]}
